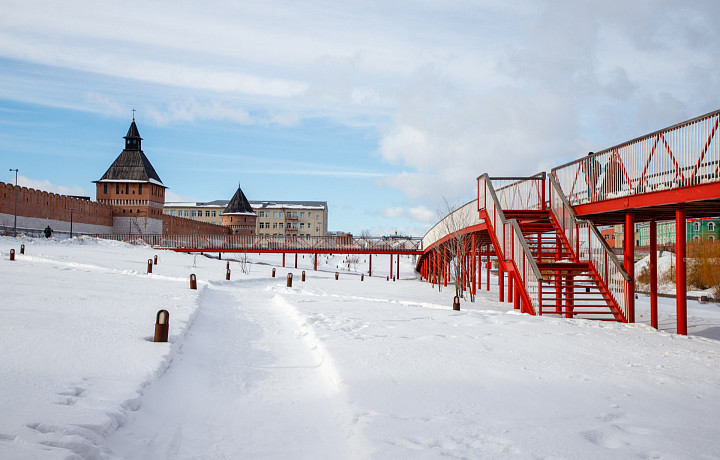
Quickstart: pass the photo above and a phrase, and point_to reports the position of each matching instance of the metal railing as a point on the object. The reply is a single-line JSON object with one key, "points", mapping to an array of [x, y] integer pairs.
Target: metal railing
{"points": [[588, 245], [679, 156], [520, 192], [463, 217], [510, 240], [276, 243]]}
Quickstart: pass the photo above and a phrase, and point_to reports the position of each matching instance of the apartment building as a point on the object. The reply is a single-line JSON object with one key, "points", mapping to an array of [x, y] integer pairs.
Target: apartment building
{"points": [[274, 218], [291, 218]]}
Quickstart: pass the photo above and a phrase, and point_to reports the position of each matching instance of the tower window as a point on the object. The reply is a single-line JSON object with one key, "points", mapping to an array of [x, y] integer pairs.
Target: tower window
{"points": [[127, 189], [117, 189], [139, 189], [105, 188]]}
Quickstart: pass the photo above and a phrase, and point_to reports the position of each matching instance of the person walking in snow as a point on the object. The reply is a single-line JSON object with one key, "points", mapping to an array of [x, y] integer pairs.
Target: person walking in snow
{"points": [[48, 232]]}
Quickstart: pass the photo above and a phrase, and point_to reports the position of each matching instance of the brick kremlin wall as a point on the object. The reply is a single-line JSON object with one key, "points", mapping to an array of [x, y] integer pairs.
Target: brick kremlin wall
{"points": [[37, 209], [181, 226]]}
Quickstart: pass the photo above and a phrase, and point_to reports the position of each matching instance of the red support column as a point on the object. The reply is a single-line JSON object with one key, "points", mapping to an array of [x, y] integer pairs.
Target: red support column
{"points": [[445, 267], [653, 274], [629, 252], [474, 267], [516, 298], [315, 261], [488, 264], [398, 267], [296, 260], [391, 265], [680, 283], [501, 282], [370, 260], [510, 287], [283, 260]]}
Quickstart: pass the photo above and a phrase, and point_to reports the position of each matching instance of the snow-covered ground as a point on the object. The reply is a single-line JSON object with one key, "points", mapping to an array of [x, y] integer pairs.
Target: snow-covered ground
{"points": [[329, 369]]}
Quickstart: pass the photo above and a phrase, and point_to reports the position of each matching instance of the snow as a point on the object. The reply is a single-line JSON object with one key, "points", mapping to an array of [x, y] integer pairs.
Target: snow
{"points": [[329, 369]]}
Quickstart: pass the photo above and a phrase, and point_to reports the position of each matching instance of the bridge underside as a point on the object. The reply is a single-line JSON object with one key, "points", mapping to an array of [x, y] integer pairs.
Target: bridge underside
{"points": [[698, 201]]}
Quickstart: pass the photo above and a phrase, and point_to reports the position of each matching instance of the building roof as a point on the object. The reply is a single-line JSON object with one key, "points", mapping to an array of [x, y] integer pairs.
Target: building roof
{"points": [[254, 203], [239, 204], [132, 165], [289, 204]]}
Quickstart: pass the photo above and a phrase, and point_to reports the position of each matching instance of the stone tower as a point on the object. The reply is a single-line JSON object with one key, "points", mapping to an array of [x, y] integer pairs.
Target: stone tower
{"points": [[239, 215], [133, 189]]}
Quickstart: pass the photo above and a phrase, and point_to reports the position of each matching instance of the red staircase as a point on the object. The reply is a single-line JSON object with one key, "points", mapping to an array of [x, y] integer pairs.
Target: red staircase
{"points": [[564, 279], [569, 288]]}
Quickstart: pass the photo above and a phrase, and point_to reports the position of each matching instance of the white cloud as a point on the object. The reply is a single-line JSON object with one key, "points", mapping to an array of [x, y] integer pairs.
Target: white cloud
{"points": [[455, 88], [415, 213]]}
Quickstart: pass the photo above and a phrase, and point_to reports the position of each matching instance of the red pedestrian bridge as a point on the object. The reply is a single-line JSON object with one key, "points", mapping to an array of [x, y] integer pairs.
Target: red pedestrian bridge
{"points": [[280, 244], [542, 233]]}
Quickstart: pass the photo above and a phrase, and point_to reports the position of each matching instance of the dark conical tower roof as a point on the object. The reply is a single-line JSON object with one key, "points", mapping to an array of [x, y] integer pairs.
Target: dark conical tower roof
{"points": [[132, 165], [239, 204]]}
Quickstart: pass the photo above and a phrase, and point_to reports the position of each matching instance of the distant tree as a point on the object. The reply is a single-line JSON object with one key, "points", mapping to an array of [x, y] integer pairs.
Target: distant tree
{"points": [[454, 220]]}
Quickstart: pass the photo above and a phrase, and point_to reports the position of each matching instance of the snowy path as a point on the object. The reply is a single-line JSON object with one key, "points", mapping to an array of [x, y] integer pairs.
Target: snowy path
{"points": [[246, 384]]}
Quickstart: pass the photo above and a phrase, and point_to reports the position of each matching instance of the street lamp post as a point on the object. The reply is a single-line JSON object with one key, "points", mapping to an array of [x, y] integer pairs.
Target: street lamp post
{"points": [[15, 224], [71, 211]]}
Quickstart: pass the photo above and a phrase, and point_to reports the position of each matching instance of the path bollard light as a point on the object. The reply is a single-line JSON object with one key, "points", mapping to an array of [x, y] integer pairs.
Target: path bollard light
{"points": [[155, 260], [388, 279], [302, 278], [273, 273], [289, 280], [12, 254], [362, 276], [22, 249], [162, 326], [336, 276], [193, 281], [456, 303], [393, 279], [149, 265], [227, 267], [227, 274]]}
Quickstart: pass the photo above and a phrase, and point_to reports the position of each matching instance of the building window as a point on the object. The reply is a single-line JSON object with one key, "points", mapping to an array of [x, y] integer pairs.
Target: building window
{"points": [[274, 224], [711, 226], [302, 215], [105, 188], [280, 225], [262, 224], [213, 213], [186, 213], [294, 215], [261, 214], [308, 214], [282, 214], [117, 189], [302, 226], [275, 214], [711, 238], [127, 189], [695, 238], [207, 213], [696, 226]]}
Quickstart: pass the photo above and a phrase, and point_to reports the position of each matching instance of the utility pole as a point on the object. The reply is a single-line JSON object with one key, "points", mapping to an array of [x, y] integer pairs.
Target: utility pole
{"points": [[15, 224]]}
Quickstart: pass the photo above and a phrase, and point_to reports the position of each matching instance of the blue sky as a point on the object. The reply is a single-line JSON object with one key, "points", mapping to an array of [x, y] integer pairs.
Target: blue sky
{"points": [[383, 109]]}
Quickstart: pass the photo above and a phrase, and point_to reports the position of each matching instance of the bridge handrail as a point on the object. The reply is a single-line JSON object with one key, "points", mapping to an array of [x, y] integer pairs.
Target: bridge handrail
{"points": [[276, 243], [681, 155], [467, 214], [509, 239], [521, 192], [594, 248]]}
